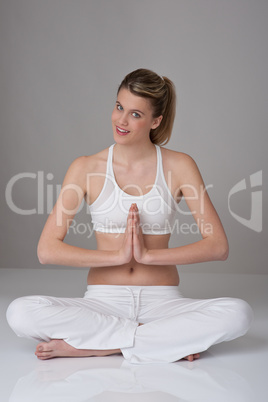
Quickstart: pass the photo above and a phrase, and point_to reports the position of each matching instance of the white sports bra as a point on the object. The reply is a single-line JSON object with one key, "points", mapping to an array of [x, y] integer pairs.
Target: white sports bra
{"points": [[157, 208]]}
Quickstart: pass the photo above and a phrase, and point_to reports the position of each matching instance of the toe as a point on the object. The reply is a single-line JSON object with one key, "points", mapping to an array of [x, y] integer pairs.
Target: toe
{"points": [[44, 347], [190, 358], [44, 355], [40, 347]]}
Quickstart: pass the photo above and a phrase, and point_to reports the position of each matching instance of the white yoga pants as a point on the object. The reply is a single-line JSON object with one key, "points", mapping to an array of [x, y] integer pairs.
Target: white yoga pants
{"points": [[108, 317]]}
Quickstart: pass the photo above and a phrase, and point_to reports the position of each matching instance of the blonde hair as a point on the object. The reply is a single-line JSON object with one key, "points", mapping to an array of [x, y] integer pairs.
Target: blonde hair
{"points": [[162, 95]]}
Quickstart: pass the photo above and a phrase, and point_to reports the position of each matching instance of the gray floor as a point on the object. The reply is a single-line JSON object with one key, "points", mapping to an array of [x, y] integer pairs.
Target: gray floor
{"points": [[235, 371]]}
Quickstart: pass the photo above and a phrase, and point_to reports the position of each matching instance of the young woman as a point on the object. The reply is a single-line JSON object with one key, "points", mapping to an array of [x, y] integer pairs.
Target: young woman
{"points": [[132, 304]]}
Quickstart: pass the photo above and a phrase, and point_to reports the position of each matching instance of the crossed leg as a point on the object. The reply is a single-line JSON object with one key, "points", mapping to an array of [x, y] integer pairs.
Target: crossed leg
{"points": [[38, 317], [59, 348]]}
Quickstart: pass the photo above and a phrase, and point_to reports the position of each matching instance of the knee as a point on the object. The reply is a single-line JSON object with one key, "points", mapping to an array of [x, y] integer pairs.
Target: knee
{"points": [[242, 316], [17, 315]]}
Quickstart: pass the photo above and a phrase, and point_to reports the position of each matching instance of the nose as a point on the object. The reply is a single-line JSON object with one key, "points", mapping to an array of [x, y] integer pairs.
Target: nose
{"points": [[123, 119]]}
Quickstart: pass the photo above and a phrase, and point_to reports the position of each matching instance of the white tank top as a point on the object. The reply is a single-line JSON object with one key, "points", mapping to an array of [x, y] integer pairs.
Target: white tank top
{"points": [[157, 208]]}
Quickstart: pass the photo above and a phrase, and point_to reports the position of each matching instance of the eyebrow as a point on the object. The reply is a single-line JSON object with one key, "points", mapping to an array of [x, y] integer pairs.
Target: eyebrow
{"points": [[132, 110]]}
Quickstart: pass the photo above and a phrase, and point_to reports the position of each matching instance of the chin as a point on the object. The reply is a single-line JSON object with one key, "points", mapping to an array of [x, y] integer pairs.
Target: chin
{"points": [[121, 139]]}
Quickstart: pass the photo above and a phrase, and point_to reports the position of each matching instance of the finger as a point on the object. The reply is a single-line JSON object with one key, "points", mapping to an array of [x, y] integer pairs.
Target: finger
{"points": [[130, 219], [132, 223], [135, 210], [136, 229], [129, 223], [135, 215], [130, 210]]}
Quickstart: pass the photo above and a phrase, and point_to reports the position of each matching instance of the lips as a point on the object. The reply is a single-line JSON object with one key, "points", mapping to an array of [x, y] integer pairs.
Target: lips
{"points": [[121, 131]]}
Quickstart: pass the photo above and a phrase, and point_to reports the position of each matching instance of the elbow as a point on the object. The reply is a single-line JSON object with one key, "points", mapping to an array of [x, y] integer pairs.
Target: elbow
{"points": [[223, 251], [219, 249], [224, 254], [43, 254], [42, 257]]}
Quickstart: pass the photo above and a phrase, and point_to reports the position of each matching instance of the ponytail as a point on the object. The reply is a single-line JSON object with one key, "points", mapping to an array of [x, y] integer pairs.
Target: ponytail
{"points": [[161, 135]]}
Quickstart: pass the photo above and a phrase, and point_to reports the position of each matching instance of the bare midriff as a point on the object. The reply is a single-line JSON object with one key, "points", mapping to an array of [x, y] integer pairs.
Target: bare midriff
{"points": [[133, 273]]}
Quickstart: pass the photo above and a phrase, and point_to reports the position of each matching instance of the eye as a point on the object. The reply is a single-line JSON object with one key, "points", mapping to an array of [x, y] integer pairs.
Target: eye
{"points": [[136, 115], [119, 107]]}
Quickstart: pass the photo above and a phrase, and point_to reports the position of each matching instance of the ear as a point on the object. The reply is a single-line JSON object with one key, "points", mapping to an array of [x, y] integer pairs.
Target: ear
{"points": [[156, 122]]}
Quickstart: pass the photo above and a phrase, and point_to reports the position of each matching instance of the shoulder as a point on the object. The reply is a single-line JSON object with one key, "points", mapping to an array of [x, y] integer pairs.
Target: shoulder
{"points": [[175, 159], [90, 163], [81, 167], [181, 165]]}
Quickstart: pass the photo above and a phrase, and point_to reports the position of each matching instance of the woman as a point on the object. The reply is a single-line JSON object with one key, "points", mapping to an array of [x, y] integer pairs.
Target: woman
{"points": [[132, 304]]}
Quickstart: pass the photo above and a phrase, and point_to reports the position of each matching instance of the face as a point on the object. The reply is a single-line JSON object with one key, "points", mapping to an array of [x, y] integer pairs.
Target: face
{"points": [[132, 118]]}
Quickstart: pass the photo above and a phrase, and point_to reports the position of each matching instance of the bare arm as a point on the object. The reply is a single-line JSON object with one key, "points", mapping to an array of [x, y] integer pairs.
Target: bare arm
{"points": [[51, 247], [214, 244]]}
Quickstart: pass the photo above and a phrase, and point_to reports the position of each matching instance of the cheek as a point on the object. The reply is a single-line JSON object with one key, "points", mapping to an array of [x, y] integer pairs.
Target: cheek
{"points": [[115, 115], [142, 125]]}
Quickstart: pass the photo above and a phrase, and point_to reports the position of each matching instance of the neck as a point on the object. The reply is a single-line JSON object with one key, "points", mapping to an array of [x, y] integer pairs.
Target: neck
{"points": [[131, 153]]}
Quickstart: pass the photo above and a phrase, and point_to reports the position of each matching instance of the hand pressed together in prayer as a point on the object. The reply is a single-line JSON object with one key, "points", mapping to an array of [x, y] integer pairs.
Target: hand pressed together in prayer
{"points": [[133, 243]]}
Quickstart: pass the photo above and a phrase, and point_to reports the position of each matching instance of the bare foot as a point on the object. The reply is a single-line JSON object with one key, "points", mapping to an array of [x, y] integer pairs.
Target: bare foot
{"points": [[191, 358], [59, 348]]}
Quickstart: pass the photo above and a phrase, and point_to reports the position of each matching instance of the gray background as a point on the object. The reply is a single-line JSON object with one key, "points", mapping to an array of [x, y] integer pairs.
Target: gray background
{"points": [[61, 63]]}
